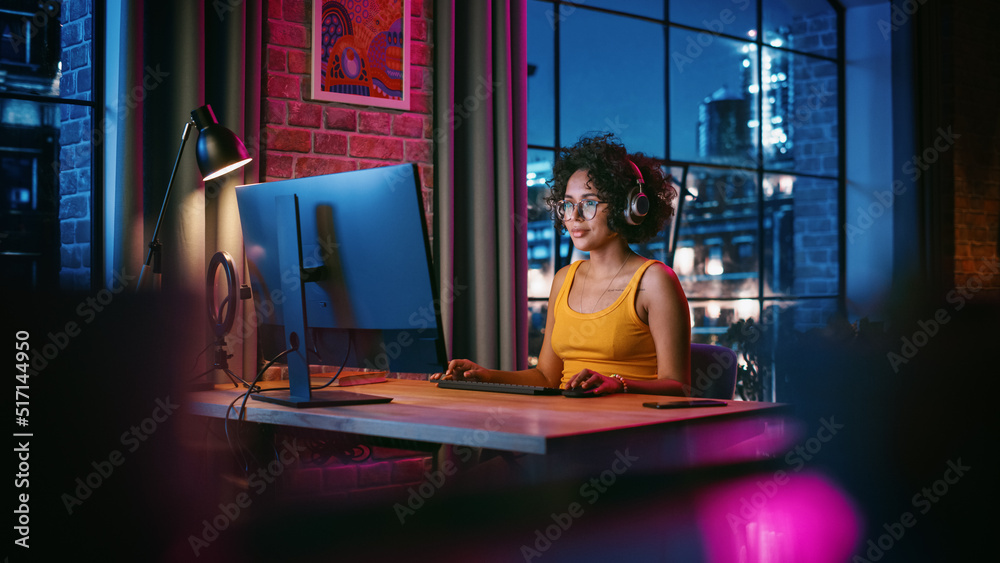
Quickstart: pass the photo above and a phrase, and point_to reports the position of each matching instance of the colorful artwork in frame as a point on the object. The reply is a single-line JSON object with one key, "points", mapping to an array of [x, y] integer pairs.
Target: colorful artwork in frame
{"points": [[361, 53]]}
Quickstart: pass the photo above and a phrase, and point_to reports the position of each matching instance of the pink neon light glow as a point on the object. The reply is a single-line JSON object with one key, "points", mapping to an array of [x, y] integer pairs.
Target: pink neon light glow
{"points": [[778, 518]]}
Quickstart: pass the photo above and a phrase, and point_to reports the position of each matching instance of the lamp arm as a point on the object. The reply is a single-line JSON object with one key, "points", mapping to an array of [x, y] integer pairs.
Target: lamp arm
{"points": [[154, 244]]}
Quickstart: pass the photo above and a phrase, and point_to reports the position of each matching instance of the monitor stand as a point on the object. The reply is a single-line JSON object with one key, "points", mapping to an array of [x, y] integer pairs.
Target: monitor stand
{"points": [[300, 395]]}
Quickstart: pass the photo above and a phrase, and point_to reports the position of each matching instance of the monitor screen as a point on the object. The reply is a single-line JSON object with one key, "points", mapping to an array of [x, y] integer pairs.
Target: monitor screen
{"points": [[368, 285]]}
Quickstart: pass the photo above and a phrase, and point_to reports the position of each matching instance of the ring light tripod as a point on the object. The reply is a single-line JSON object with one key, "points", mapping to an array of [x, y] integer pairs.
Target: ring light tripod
{"points": [[223, 316]]}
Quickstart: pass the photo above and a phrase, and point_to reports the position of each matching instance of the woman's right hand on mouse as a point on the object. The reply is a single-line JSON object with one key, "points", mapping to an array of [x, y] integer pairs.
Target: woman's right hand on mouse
{"points": [[461, 369]]}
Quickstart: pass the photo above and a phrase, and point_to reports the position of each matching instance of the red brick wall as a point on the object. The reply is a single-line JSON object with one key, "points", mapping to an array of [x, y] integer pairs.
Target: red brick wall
{"points": [[388, 475], [302, 137], [977, 152]]}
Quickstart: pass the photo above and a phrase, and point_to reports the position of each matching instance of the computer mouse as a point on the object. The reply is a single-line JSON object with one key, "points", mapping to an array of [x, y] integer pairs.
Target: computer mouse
{"points": [[579, 393]]}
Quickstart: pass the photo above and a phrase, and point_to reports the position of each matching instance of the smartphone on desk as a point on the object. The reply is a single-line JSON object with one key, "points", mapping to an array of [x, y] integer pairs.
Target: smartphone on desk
{"points": [[686, 403]]}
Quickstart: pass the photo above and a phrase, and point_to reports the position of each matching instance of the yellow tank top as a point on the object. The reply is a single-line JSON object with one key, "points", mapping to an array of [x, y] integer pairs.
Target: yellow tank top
{"points": [[613, 340]]}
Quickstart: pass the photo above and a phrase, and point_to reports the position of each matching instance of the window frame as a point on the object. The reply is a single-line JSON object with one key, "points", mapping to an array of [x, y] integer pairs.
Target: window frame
{"points": [[96, 106]]}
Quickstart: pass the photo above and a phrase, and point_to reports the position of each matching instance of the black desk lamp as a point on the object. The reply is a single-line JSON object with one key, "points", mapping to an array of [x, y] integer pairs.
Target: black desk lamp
{"points": [[219, 152]]}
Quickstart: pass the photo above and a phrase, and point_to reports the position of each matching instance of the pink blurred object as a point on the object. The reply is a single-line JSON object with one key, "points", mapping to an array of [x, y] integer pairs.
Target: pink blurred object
{"points": [[779, 517]]}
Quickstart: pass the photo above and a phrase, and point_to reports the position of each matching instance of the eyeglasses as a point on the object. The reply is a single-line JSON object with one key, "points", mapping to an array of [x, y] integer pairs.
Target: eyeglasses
{"points": [[588, 208]]}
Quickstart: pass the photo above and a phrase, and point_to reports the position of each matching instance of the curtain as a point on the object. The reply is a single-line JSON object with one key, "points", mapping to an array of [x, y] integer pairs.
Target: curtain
{"points": [[480, 193], [126, 227], [233, 82], [178, 56]]}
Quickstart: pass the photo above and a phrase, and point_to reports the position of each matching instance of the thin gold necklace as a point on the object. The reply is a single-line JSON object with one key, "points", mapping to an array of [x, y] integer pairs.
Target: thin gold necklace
{"points": [[587, 275]]}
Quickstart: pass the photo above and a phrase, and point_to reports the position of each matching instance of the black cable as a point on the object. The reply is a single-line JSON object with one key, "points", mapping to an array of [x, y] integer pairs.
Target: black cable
{"points": [[343, 363], [196, 358], [253, 388], [241, 416], [350, 342], [246, 465]]}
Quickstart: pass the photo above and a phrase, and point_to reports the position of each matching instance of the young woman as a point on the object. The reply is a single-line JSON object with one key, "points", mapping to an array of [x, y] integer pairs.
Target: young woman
{"points": [[618, 322]]}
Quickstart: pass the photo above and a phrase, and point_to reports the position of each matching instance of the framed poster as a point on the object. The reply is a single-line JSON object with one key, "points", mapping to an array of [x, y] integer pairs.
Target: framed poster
{"points": [[361, 52]]}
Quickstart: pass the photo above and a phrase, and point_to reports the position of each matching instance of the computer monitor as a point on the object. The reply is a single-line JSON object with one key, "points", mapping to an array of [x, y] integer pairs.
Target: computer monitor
{"points": [[340, 267]]}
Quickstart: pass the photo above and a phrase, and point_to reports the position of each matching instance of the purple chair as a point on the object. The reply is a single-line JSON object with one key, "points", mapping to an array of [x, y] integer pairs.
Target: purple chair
{"points": [[713, 372]]}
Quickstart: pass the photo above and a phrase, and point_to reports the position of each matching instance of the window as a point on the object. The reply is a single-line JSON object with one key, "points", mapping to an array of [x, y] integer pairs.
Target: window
{"points": [[49, 108], [740, 99]]}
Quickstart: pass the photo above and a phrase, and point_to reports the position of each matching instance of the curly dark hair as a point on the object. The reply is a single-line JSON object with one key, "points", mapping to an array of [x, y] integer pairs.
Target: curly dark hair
{"points": [[605, 159]]}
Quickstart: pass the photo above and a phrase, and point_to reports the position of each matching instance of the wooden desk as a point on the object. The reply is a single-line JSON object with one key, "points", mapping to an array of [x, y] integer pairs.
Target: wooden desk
{"points": [[564, 436]]}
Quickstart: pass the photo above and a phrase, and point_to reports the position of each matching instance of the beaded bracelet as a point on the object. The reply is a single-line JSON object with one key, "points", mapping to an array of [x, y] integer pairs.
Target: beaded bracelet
{"points": [[622, 379]]}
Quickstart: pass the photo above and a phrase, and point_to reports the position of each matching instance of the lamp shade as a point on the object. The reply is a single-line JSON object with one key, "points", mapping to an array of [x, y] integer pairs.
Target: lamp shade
{"points": [[219, 150]]}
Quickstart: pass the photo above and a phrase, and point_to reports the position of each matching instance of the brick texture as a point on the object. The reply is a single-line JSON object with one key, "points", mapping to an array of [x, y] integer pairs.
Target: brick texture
{"points": [[386, 473], [330, 143], [976, 152], [306, 137], [382, 148], [812, 122], [77, 134]]}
